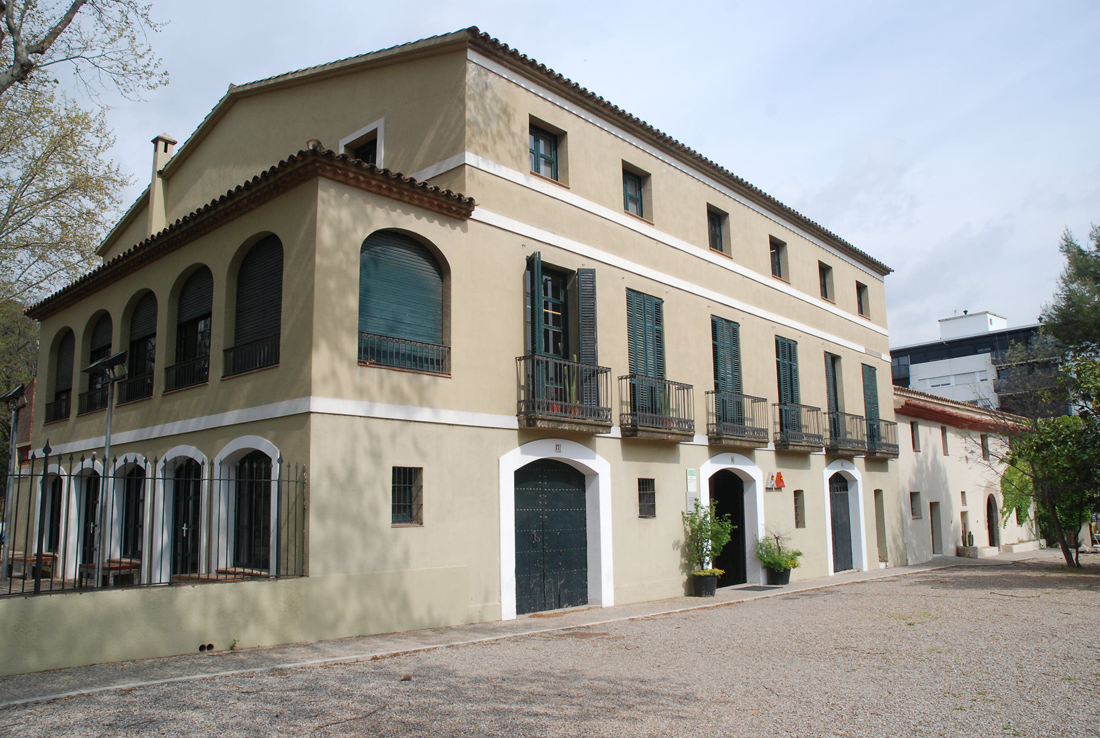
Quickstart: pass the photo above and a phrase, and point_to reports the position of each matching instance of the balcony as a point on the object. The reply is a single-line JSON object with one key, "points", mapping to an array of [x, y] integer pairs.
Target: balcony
{"points": [[847, 434], [58, 409], [563, 395], [251, 356], [401, 353], [656, 409], [882, 439], [92, 400], [187, 374], [734, 419], [798, 428], [135, 388]]}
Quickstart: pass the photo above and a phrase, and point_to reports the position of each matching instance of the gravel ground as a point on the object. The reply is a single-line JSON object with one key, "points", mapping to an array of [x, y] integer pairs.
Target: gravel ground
{"points": [[990, 651]]}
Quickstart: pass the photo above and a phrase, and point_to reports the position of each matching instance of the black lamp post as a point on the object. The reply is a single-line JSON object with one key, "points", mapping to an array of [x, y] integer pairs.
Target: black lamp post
{"points": [[111, 368]]}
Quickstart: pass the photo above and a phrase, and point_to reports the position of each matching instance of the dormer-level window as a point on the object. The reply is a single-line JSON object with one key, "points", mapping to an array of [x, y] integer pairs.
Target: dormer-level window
{"points": [[544, 152], [367, 152]]}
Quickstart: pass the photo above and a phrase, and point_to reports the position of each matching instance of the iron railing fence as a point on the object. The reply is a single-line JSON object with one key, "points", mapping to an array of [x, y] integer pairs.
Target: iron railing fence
{"points": [[58, 409], [151, 523], [404, 354], [798, 425], [252, 355], [882, 437], [134, 388], [92, 400], [734, 415], [187, 373], [558, 388], [847, 432], [656, 404]]}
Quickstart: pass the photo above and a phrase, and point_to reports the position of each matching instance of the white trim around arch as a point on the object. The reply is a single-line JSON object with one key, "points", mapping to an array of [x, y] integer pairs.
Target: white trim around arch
{"points": [[753, 479], [597, 476], [855, 508], [225, 472], [159, 568]]}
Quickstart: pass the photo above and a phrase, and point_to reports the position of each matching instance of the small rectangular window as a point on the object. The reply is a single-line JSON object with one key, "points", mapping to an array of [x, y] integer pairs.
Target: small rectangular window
{"points": [[914, 505], [779, 258], [718, 230], [862, 300], [962, 496], [943, 439], [407, 492], [799, 509], [634, 193], [825, 277], [544, 152], [647, 498], [985, 447], [367, 151], [914, 434]]}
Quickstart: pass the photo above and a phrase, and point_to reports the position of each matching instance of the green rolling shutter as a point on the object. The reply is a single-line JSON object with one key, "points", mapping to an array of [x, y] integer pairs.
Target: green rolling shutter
{"points": [[726, 353], [143, 321], [260, 292], [101, 334], [65, 353], [400, 289], [870, 392], [196, 297]]}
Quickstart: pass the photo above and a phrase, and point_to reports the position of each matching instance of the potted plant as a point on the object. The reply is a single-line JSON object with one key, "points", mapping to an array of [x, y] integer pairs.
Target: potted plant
{"points": [[777, 557], [705, 535]]}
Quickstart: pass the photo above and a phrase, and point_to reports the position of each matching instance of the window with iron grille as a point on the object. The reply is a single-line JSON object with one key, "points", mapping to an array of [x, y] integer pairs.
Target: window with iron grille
{"points": [[407, 496], [914, 505], [799, 509], [647, 498]]}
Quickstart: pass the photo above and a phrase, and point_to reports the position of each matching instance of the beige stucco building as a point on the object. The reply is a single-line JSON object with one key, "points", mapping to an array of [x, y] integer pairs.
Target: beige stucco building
{"points": [[357, 401]]}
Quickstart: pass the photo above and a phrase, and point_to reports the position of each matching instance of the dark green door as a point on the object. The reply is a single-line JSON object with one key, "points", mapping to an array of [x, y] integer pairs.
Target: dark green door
{"points": [[842, 523], [727, 492], [551, 537]]}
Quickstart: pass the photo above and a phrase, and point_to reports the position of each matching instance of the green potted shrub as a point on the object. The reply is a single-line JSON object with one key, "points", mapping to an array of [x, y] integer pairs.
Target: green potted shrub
{"points": [[705, 535], [777, 557]]}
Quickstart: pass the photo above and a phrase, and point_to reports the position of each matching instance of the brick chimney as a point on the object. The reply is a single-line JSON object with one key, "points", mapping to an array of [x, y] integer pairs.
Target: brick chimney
{"points": [[163, 145]]}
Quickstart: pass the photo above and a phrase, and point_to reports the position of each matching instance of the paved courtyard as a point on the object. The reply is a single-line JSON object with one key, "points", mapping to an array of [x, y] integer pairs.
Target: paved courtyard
{"points": [[1000, 650]]}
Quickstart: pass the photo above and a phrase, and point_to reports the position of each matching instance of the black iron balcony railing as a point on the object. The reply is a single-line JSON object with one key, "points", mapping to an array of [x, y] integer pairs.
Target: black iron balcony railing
{"points": [[798, 426], [92, 400], [402, 353], [847, 433], [560, 390], [135, 388], [187, 374], [735, 417], [651, 404], [882, 437], [58, 409], [251, 355]]}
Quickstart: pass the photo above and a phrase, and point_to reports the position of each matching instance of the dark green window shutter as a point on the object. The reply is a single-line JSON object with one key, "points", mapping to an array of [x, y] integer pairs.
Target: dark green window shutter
{"points": [[646, 335], [66, 351], [143, 321], [870, 392], [260, 292], [533, 290], [196, 297], [400, 289], [726, 353], [586, 303], [101, 334], [786, 360], [831, 394]]}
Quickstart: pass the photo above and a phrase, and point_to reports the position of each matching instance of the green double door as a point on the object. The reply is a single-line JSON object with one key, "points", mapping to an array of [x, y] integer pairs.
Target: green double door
{"points": [[551, 537]]}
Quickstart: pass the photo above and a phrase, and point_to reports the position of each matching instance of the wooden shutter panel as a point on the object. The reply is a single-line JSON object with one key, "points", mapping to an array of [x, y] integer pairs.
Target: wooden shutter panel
{"points": [[196, 296], [586, 303], [786, 360], [260, 292], [400, 289], [870, 392], [658, 334], [830, 383], [634, 329], [66, 351], [101, 334], [725, 337], [533, 286], [792, 348], [143, 321]]}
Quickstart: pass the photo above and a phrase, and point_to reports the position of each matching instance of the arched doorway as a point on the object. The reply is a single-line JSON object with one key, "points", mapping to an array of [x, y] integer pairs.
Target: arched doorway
{"points": [[841, 522], [551, 537], [727, 493], [991, 518], [186, 520]]}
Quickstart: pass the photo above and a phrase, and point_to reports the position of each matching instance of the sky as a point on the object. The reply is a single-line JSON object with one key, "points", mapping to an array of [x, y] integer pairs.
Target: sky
{"points": [[953, 141]]}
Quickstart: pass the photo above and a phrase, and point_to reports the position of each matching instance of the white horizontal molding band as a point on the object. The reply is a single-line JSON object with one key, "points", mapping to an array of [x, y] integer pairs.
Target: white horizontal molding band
{"points": [[521, 81]]}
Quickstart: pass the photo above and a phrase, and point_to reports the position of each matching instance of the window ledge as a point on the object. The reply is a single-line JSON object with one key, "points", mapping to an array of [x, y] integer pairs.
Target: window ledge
{"points": [[406, 525], [639, 217], [721, 253], [544, 178], [784, 280], [829, 300]]}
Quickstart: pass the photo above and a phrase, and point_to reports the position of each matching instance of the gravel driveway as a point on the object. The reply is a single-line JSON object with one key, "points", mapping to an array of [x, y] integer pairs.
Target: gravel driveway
{"points": [[990, 651]]}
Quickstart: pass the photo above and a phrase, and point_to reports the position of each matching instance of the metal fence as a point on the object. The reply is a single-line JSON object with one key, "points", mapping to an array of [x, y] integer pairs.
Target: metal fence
{"points": [[404, 354], [553, 387], [70, 528], [734, 415], [656, 404]]}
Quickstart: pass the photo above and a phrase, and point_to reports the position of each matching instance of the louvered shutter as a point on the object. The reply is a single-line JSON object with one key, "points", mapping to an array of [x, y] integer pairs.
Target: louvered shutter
{"points": [[400, 289], [830, 383], [586, 302], [533, 287], [792, 349], [101, 334], [143, 322], [66, 351], [656, 328], [870, 392], [726, 354], [196, 296], [260, 292], [786, 360], [634, 329]]}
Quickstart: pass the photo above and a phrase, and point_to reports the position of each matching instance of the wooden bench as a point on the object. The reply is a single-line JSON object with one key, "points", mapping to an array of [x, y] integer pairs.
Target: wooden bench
{"points": [[49, 562], [115, 571]]}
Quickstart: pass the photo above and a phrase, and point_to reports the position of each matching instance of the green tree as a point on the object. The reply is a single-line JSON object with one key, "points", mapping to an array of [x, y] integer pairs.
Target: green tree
{"points": [[1073, 319]]}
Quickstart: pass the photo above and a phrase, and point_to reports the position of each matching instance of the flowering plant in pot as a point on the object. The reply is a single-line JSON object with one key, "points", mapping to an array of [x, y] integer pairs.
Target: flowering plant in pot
{"points": [[777, 557], [705, 535]]}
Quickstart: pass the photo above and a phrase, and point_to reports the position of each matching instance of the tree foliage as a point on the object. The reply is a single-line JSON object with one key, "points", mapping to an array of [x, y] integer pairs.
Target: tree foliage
{"points": [[104, 43], [706, 533], [1073, 319]]}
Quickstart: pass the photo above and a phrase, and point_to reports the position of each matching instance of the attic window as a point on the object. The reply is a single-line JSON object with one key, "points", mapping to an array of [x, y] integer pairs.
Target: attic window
{"points": [[367, 152], [367, 144]]}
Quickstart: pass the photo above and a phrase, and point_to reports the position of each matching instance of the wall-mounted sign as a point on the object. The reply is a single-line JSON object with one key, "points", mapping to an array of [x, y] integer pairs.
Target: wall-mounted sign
{"points": [[775, 481]]}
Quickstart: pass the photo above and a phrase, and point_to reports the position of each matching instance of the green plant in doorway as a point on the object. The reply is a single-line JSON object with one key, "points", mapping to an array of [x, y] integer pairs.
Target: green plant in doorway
{"points": [[776, 554], [705, 535]]}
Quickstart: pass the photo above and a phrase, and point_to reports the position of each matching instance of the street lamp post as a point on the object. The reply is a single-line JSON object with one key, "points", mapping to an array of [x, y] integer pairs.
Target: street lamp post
{"points": [[111, 367], [15, 398]]}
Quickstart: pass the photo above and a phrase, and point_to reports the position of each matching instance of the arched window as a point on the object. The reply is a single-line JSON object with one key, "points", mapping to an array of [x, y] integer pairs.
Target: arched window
{"points": [[192, 332], [141, 356], [259, 309], [63, 379], [252, 513], [96, 396], [401, 305]]}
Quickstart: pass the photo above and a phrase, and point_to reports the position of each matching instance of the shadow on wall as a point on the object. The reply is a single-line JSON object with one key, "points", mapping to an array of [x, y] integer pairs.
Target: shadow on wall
{"points": [[929, 479]]}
